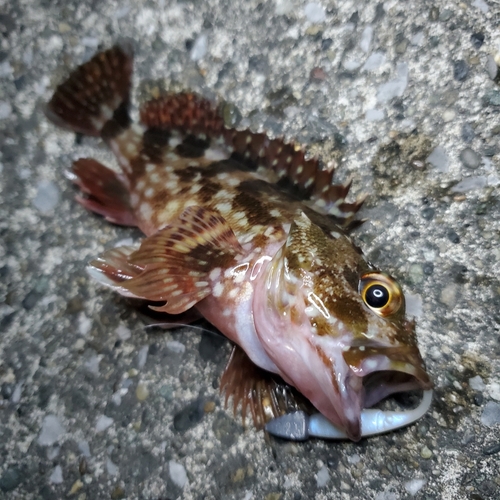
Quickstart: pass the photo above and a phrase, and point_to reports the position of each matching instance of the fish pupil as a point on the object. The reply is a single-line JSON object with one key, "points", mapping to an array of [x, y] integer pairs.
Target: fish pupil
{"points": [[377, 296]]}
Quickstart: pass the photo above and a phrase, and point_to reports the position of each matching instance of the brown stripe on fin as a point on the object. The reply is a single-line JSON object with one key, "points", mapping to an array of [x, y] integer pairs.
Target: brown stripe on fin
{"points": [[178, 259], [94, 99], [106, 193], [261, 393]]}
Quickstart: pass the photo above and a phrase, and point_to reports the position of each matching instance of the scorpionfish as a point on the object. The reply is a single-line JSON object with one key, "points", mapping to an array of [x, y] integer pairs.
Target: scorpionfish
{"points": [[250, 234]]}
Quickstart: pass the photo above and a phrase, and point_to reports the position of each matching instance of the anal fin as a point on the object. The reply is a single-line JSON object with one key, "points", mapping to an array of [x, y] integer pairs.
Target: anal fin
{"points": [[106, 193], [263, 394]]}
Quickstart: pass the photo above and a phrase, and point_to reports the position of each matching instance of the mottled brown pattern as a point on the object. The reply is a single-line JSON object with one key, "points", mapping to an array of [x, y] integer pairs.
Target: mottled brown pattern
{"points": [[138, 165], [347, 309], [154, 144], [120, 122], [188, 172], [192, 147], [257, 212], [208, 190], [351, 277]]}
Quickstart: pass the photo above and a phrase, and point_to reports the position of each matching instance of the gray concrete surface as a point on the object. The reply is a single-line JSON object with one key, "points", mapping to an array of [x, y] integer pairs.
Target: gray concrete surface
{"points": [[404, 95]]}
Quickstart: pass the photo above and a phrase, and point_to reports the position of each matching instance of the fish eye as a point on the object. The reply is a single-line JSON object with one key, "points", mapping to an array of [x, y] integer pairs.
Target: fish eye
{"points": [[381, 293]]}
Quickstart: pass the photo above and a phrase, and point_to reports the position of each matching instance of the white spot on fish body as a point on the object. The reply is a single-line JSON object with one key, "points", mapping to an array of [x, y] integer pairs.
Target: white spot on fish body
{"points": [[146, 211], [172, 185], [309, 182], [224, 208], [172, 206], [131, 148], [134, 199], [223, 194], [212, 154], [149, 192], [138, 129], [150, 167], [232, 181], [171, 156], [174, 142], [141, 185], [154, 178], [106, 112], [214, 274], [218, 290], [239, 215]]}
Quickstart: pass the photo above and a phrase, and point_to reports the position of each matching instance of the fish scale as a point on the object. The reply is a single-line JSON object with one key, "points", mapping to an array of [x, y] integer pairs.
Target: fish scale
{"points": [[250, 233]]}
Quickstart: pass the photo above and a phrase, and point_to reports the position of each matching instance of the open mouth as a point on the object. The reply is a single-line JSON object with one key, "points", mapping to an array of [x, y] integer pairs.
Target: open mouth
{"points": [[386, 370]]}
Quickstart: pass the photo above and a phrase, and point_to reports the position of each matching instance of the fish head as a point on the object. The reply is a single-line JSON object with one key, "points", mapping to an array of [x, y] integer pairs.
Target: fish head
{"points": [[335, 326]]}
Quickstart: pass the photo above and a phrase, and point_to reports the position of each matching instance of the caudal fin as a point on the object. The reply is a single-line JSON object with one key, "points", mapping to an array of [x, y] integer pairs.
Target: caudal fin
{"points": [[94, 100]]}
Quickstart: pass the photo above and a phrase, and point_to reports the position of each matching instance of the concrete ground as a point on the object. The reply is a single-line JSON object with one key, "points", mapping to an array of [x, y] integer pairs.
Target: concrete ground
{"points": [[404, 96]]}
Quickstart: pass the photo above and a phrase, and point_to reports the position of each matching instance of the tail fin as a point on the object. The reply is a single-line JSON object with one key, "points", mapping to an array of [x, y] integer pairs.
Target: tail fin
{"points": [[94, 100]]}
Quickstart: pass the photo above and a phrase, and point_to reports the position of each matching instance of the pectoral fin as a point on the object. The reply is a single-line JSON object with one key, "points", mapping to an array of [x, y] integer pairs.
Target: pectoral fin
{"points": [[174, 264]]}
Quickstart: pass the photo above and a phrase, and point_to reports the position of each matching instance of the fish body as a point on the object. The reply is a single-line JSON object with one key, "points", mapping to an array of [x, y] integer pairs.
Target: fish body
{"points": [[249, 233]]}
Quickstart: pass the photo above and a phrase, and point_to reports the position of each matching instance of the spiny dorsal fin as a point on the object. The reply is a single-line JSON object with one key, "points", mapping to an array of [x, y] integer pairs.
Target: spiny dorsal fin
{"points": [[286, 162], [94, 99]]}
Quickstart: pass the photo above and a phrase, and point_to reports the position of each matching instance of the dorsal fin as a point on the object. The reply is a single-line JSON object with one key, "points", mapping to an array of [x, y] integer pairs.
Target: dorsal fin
{"points": [[186, 112], [284, 162]]}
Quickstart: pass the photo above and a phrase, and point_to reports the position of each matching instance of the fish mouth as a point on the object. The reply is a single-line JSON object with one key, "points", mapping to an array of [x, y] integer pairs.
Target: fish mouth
{"points": [[382, 371]]}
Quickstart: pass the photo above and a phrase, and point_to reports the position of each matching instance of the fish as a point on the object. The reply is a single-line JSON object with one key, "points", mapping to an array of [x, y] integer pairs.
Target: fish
{"points": [[249, 233]]}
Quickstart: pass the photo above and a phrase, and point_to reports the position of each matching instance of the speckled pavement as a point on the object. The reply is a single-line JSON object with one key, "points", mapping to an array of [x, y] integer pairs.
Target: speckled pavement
{"points": [[404, 96]]}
